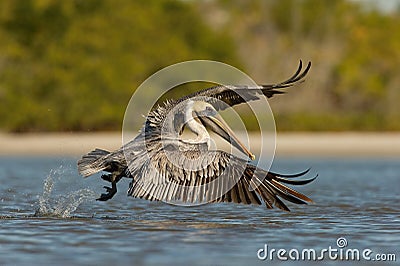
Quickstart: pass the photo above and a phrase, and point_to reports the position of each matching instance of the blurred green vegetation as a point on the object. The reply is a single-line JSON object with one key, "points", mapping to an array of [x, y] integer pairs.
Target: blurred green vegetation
{"points": [[73, 65]]}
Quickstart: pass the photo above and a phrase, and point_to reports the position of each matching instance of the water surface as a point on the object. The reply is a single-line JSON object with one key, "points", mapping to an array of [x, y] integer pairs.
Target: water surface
{"points": [[357, 199]]}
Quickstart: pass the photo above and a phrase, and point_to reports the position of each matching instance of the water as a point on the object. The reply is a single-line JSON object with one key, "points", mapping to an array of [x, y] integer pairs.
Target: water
{"points": [[49, 215]]}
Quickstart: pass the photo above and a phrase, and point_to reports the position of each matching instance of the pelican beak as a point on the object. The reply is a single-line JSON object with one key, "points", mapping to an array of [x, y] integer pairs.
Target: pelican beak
{"points": [[218, 125]]}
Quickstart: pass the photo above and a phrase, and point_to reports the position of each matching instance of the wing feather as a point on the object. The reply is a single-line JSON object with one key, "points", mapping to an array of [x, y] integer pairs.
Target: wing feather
{"points": [[231, 183], [222, 96]]}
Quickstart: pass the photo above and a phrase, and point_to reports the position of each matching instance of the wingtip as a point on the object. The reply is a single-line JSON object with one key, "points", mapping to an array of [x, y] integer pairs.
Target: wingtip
{"points": [[308, 67]]}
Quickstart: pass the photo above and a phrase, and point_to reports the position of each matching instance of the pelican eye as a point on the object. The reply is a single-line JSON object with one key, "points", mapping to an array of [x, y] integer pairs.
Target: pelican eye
{"points": [[209, 110]]}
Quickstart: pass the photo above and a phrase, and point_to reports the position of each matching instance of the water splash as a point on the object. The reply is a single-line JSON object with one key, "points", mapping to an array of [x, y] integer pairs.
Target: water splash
{"points": [[60, 205]]}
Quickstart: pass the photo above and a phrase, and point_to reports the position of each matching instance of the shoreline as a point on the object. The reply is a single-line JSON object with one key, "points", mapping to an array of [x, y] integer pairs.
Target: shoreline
{"points": [[296, 144]]}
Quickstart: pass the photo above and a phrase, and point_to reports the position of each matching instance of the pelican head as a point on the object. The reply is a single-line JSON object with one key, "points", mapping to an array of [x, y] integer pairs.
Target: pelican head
{"points": [[207, 117]]}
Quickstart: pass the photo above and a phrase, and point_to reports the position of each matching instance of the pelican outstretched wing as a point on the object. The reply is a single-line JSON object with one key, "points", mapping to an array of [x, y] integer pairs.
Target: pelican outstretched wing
{"points": [[226, 178], [164, 167], [235, 94]]}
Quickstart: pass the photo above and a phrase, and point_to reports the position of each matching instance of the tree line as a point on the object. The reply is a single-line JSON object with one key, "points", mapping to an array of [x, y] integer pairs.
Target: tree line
{"points": [[73, 65]]}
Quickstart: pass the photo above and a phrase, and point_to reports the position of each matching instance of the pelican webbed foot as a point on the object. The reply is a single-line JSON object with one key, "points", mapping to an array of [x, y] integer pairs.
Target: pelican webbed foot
{"points": [[110, 192]]}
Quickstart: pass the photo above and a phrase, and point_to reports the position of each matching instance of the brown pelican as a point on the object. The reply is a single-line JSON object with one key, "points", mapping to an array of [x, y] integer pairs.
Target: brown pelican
{"points": [[164, 166]]}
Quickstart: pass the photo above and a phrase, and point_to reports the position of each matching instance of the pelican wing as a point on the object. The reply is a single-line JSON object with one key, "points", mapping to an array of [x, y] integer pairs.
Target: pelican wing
{"points": [[216, 177], [236, 94]]}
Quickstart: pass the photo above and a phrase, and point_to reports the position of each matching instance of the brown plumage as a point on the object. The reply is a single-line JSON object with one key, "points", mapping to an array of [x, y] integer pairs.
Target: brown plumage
{"points": [[165, 167]]}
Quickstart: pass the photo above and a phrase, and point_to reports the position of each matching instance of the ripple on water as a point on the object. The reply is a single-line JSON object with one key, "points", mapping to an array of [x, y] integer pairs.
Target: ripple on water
{"points": [[70, 227]]}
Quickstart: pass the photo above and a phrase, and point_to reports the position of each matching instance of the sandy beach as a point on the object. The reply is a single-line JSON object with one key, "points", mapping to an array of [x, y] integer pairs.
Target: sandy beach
{"points": [[287, 144]]}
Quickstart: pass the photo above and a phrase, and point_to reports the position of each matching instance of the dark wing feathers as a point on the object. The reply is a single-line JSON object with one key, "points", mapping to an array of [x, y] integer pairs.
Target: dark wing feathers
{"points": [[92, 162], [297, 76], [195, 186], [236, 94], [292, 175], [295, 182], [269, 189]]}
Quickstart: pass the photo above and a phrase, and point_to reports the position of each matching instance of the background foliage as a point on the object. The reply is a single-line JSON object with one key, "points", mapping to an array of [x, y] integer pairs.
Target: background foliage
{"points": [[73, 65]]}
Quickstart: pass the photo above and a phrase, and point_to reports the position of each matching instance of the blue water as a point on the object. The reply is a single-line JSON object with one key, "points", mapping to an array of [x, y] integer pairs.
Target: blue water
{"points": [[49, 216]]}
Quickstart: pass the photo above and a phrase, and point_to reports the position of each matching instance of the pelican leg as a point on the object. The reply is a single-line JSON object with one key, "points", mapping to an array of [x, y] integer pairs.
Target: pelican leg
{"points": [[111, 191]]}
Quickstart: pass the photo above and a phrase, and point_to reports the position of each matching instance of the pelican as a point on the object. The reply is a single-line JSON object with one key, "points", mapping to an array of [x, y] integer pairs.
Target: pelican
{"points": [[164, 166]]}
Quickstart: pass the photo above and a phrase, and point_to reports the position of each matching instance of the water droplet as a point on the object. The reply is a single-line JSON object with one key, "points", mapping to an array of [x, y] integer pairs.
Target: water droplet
{"points": [[60, 205]]}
